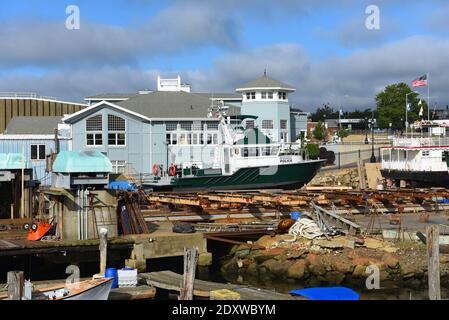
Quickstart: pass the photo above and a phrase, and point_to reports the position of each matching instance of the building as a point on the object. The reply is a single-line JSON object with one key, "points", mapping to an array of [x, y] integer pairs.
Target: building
{"points": [[36, 138], [174, 125], [298, 123], [31, 104], [268, 99]]}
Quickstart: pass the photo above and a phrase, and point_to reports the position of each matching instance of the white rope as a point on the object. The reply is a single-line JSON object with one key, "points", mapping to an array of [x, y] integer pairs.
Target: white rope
{"points": [[306, 228]]}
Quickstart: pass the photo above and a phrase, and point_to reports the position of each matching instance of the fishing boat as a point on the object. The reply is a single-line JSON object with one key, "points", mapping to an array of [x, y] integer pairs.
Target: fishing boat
{"points": [[245, 159], [421, 159], [96, 289]]}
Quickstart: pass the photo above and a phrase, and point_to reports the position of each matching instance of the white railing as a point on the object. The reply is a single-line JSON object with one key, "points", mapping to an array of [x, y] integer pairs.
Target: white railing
{"points": [[421, 142], [29, 95]]}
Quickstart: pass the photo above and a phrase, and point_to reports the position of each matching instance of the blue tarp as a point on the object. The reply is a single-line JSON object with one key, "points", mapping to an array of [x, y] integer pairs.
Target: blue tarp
{"points": [[332, 293], [121, 185], [84, 162], [10, 161]]}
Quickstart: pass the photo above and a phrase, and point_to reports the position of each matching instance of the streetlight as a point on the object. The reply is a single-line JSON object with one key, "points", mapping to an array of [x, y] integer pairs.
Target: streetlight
{"points": [[366, 130], [373, 157]]}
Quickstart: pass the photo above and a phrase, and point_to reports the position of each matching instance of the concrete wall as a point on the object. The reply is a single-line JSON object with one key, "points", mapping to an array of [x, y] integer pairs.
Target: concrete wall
{"points": [[105, 217]]}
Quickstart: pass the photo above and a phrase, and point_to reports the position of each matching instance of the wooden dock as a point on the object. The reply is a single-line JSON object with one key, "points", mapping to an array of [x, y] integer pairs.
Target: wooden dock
{"points": [[171, 281]]}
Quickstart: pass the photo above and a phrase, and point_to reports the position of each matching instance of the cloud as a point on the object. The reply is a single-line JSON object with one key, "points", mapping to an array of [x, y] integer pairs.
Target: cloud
{"points": [[172, 31]]}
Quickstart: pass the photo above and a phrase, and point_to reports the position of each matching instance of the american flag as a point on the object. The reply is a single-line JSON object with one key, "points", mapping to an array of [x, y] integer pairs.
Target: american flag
{"points": [[420, 82]]}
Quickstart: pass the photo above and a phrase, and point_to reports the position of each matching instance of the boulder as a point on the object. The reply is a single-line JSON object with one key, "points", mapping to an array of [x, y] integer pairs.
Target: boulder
{"points": [[315, 265], [252, 270], [391, 261], [277, 268], [297, 270], [335, 243], [263, 256], [335, 277], [343, 265], [359, 271]]}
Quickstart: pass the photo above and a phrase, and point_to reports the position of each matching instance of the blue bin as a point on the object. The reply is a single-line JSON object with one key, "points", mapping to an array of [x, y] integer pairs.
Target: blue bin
{"points": [[112, 273], [295, 215]]}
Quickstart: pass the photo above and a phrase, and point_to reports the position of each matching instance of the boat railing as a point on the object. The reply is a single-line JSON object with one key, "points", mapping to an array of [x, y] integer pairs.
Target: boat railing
{"points": [[421, 142]]}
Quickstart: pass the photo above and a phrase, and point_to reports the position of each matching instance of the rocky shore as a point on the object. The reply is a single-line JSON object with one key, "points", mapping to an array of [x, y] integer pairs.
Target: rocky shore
{"points": [[339, 261]]}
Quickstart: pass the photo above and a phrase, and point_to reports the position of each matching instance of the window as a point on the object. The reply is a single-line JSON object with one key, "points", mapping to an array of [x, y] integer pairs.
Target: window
{"points": [[94, 129], [283, 125], [270, 95], [282, 96], [249, 124], [284, 136], [264, 95], [37, 152], [118, 166], [267, 124], [116, 128], [424, 154], [248, 95], [186, 126], [171, 126], [94, 123], [253, 95], [212, 125]]}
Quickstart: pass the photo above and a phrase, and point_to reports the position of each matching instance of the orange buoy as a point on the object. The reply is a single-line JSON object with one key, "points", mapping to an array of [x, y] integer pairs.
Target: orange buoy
{"points": [[172, 170], [156, 170]]}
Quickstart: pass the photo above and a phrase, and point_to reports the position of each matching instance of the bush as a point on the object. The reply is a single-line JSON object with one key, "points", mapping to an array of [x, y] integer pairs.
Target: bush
{"points": [[313, 150]]}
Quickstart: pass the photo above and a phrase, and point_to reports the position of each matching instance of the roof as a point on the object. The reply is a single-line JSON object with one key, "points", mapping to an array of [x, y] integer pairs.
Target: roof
{"points": [[221, 96], [266, 82], [163, 104], [87, 161], [10, 161], [33, 125]]}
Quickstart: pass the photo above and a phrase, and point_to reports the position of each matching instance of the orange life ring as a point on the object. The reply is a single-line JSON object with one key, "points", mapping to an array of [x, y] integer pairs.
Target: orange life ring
{"points": [[155, 170], [172, 170]]}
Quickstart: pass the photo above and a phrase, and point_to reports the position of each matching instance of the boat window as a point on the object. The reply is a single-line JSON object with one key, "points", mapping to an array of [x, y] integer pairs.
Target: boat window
{"points": [[426, 153]]}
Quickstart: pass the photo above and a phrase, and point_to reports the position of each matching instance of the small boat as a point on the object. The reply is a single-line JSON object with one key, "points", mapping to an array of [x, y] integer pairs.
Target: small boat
{"points": [[97, 289], [327, 293]]}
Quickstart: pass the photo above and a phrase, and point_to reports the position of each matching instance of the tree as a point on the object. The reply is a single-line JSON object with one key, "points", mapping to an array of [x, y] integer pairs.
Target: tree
{"points": [[320, 132], [391, 105], [313, 150], [342, 133], [325, 112]]}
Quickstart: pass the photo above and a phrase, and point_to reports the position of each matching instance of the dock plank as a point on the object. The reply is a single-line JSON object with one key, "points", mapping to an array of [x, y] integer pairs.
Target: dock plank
{"points": [[171, 281]]}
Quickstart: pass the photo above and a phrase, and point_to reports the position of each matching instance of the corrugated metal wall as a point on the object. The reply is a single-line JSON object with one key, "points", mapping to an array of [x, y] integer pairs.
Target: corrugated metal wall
{"points": [[10, 107]]}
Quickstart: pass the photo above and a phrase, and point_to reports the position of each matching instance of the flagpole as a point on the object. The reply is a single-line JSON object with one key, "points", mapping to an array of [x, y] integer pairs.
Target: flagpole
{"points": [[428, 96]]}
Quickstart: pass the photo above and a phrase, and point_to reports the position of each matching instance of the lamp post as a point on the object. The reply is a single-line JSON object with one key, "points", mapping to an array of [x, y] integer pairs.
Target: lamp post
{"points": [[366, 130], [373, 157]]}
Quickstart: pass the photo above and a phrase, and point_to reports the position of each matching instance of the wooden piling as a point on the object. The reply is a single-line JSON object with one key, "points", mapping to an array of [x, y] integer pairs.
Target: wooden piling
{"points": [[103, 250], [16, 285], [433, 256], [190, 262]]}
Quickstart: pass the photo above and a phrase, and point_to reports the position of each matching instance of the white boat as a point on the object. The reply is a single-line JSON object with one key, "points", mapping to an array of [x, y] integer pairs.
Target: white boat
{"points": [[419, 159], [97, 289]]}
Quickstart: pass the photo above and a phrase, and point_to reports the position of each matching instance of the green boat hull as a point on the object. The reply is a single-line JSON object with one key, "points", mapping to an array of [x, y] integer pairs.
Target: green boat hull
{"points": [[286, 177]]}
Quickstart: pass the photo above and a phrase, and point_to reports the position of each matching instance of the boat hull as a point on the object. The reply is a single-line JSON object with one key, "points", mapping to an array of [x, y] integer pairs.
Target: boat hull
{"points": [[285, 176], [420, 178]]}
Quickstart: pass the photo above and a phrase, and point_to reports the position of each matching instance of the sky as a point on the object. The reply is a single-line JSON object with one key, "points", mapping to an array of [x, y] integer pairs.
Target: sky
{"points": [[321, 47]]}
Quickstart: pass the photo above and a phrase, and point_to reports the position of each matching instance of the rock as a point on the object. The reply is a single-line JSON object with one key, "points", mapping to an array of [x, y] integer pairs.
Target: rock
{"points": [[359, 271], [343, 265], [268, 241], [335, 243], [252, 270], [372, 243], [230, 267], [277, 268], [242, 253], [297, 270], [335, 277], [263, 256], [407, 271], [444, 258], [315, 265], [296, 254], [391, 261]]}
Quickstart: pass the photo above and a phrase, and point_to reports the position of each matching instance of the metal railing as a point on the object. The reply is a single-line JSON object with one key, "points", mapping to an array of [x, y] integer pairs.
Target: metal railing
{"points": [[26, 95], [421, 142]]}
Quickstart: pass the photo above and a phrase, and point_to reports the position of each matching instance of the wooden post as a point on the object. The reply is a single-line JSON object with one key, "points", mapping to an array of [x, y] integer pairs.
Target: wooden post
{"points": [[190, 262], [22, 202], [433, 256], [103, 249], [15, 285], [12, 211]]}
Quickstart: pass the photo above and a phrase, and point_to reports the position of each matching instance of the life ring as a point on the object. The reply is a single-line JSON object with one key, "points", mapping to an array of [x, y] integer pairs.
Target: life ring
{"points": [[172, 170], [156, 170]]}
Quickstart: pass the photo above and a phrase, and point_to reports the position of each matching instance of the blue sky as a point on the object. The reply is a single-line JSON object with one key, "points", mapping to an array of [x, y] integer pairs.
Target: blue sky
{"points": [[322, 47]]}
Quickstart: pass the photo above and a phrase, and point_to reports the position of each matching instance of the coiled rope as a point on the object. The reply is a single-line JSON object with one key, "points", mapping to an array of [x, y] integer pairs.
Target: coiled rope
{"points": [[306, 228]]}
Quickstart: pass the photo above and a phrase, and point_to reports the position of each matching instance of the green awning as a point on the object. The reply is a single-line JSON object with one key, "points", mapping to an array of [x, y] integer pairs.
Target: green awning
{"points": [[243, 117], [85, 162], [10, 161]]}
